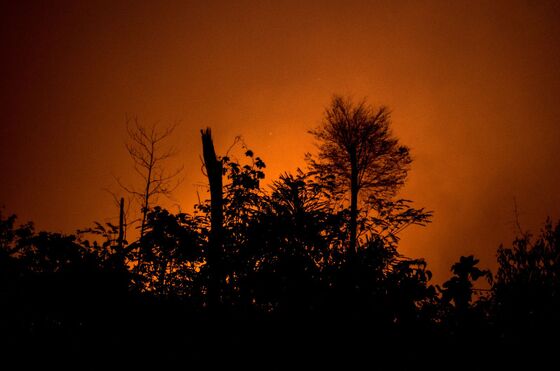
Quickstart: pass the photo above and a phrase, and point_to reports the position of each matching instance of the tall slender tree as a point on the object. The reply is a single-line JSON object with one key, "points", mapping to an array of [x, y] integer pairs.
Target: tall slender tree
{"points": [[356, 146], [149, 152]]}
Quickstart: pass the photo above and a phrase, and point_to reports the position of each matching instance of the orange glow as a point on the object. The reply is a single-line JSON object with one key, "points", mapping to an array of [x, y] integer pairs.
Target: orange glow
{"points": [[473, 87]]}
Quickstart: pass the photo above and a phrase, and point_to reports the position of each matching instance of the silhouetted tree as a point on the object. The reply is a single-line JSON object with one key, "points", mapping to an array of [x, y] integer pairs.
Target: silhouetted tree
{"points": [[299, 202], [357, 147], [235, 200], [527, 286], [412, 297], [214, 172], [171, 251], [11, 266], [459, 289], [59, 278], [463, 317], [147, 150], [243, 200], [291, 238]]}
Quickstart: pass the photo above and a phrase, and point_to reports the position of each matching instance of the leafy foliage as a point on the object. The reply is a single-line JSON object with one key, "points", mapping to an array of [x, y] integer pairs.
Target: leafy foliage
{"points": [[527, 287], [171, 252]]}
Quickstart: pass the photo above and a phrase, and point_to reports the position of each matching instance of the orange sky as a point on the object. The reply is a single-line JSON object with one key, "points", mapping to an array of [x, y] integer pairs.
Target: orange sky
{"points": [[474, 88]]}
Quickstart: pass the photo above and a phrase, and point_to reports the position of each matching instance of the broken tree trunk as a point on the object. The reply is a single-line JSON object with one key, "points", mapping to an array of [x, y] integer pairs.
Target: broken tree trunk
{"points": [[214, 172]]}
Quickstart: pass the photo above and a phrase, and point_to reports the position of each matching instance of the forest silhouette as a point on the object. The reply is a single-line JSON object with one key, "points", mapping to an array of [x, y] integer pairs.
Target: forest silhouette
{"points": [[303, 273]]}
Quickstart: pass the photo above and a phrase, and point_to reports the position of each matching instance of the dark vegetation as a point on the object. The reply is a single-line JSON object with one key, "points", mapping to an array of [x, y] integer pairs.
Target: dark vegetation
{"points": [[305, 272]]}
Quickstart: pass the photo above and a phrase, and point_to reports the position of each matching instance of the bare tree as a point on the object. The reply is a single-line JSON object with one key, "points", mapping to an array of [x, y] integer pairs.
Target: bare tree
{"points": [[356, 146], [146, 146]]}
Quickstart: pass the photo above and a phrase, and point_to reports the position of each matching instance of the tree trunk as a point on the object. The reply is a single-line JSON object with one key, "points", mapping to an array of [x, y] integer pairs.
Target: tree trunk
{"points": [[353, 204], [146, 205], [214, 172], [120, 240]]}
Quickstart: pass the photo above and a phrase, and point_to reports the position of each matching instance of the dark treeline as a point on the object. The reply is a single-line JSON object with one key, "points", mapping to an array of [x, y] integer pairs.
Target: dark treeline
{"points": [[305, 272]]}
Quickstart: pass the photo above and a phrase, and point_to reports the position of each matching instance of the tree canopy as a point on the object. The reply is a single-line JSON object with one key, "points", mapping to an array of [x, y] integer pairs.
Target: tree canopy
{"points": [[365, 164]]}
